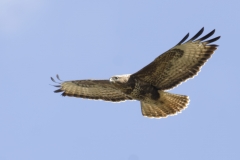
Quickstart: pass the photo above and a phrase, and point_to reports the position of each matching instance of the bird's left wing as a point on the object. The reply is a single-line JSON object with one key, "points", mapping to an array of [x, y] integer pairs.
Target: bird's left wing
{"points": [[91, 89], [179, 63]]}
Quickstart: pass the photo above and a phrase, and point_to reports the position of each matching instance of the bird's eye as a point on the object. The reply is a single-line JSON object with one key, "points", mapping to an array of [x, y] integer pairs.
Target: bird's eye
{"points": [[115, 78]]}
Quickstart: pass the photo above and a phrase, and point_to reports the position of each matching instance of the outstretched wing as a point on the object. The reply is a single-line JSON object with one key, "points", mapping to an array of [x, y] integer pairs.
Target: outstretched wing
{"points": [[91, 89], [179, 63]]}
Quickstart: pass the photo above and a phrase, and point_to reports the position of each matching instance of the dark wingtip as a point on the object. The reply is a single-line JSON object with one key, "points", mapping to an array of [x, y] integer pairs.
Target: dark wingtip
{"points": [[59, 86], [63, 94], [58, 90], [196, 35], [207, 36], [200, 39], [58, 77], [214, 45], [184, 38], [212, 40], [55, 85], [53, 80]]}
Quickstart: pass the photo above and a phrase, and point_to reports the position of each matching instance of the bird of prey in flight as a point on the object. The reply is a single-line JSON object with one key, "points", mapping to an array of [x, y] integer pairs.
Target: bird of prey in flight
{"points": [[148, 85]]}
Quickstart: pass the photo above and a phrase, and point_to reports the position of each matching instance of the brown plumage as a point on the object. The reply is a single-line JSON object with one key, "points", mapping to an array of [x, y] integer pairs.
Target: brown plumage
{"points": [[148, 84]]}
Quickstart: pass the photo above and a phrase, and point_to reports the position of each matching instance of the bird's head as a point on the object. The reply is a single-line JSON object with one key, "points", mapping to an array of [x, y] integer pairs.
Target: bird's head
{"points": [[119, 79]]}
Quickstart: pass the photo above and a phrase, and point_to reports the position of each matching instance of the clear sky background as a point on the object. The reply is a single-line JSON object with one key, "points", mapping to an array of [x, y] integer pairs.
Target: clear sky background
{"points": [[97, 39]]}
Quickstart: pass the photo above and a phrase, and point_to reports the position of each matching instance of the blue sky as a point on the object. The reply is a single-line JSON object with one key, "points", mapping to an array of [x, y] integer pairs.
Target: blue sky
{"points": [[98, 39]]}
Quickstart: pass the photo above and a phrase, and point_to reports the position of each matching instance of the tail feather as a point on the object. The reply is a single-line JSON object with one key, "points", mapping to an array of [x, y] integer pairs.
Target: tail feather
{"points": [[168, 104]]}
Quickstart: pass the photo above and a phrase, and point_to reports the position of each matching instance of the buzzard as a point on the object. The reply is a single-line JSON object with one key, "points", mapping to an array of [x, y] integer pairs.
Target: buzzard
{"points": [[148, 85]]}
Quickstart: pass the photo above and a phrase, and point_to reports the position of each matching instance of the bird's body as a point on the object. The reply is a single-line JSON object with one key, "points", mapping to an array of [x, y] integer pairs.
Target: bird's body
{"points": [[148, 84], [135, 88]]}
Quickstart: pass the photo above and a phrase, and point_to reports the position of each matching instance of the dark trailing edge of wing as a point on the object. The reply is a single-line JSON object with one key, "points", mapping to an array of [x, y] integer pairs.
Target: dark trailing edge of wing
{"points": [[201, 39]]}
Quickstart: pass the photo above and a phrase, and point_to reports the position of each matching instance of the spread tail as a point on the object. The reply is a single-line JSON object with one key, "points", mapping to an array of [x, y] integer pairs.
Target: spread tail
{"points": [[168, 104]]}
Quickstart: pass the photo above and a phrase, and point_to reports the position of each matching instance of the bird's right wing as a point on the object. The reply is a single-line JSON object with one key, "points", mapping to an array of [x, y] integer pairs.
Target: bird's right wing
{"points": [[91, 89]]}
